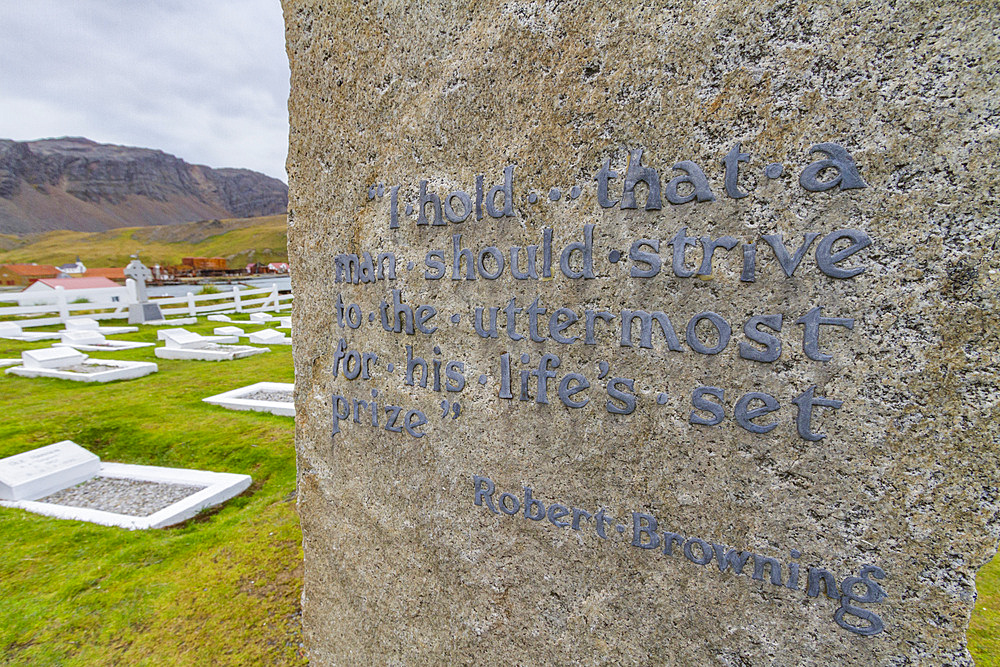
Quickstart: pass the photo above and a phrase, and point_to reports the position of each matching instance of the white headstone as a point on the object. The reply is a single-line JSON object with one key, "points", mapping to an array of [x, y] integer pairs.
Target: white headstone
{"points": [[266, 336], [77, 323], [182, 338], [261, 317], [52, 357], [40, 472], [219, 318], [140, 273], [9, 329], [228, 331], [162, 333], [83, 337]]}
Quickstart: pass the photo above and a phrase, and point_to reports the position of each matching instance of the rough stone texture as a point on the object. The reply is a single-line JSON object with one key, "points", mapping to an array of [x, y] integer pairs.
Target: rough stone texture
{"points": [[401, 566], [78, 184]]}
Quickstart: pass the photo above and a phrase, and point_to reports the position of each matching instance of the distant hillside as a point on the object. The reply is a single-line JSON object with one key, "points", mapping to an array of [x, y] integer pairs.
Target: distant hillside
{"points": [[240, 241], [76, 184]]}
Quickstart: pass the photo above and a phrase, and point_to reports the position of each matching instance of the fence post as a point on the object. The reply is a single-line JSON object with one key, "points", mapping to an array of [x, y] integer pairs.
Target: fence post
{"points": [[274, 295], [192, 311], [61, 303], [236, 299]]}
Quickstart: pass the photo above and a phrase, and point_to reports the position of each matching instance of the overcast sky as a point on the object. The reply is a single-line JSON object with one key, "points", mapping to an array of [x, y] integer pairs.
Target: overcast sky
{"points": [[205, 80]]}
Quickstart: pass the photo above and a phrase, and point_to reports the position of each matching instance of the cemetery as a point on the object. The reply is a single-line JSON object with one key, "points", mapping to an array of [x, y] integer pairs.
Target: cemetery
{"points": [[233, 570]]}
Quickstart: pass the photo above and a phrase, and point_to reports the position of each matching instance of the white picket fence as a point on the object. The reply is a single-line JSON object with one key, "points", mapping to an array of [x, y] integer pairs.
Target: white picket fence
{"points": [[238, 301]]}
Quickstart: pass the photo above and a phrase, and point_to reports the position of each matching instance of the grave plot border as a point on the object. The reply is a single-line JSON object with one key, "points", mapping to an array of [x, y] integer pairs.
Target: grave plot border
{"points": [[218, 488], [232, 399], [124, 370]]}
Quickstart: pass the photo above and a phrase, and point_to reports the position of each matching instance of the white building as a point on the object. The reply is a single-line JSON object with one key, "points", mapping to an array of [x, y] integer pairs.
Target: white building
{"points": [[98, 291], [73, 269]]}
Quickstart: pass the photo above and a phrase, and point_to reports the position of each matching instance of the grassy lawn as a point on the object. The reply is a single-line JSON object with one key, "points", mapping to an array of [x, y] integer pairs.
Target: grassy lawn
{"points": [[222, 588], [984, 630]]}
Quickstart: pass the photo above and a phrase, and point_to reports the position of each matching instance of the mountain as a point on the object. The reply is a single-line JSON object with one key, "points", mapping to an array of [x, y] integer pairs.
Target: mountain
{"points": [[77, 184]]}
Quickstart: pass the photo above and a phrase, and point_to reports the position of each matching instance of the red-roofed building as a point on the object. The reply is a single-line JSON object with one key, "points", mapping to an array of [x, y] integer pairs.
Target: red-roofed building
{"points": [[73, 283], [118, 275], [25, 274]]}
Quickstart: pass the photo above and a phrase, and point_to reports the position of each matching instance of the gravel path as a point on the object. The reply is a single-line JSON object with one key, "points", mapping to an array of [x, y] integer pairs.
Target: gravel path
{"points": [[277, 395], [122, 496]]}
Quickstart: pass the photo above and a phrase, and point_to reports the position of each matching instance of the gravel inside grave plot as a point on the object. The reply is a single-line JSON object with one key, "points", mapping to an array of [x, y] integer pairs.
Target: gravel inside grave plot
{"points": [[122, 496], [278, 395], [88, 368]]}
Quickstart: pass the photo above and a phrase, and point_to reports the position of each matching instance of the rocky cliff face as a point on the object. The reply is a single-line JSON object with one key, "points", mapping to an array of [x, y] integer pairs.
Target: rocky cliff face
{"points": [[77, 184]]}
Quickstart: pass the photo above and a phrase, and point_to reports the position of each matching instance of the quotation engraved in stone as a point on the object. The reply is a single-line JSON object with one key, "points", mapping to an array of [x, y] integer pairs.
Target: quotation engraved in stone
{"points": [[691, 185]]}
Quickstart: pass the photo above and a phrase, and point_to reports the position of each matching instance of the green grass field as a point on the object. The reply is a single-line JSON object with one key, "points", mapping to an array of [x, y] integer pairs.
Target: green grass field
{"points": [[222, 588], [241, 241]]}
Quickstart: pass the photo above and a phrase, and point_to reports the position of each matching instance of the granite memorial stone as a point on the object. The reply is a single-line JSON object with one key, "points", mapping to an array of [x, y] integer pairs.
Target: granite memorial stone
{"points": [[142, 310], [658, 334]]}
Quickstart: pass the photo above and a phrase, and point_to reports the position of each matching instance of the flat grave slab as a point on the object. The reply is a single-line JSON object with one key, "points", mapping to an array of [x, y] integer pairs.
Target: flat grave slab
{"points": [[269, 337], [119, 495], [209, 352], [219, 318], [273, 397], [106, 345], [229, 331], [286, 323], [90, 324], [51, 357], [93, 341], [175, 322], [39, 472], [74, 365], [181, 337], [13, 331], [261, 317]]}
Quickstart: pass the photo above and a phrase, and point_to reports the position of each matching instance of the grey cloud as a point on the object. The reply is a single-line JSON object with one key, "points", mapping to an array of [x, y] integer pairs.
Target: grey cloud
{"points": [[206, 80]]}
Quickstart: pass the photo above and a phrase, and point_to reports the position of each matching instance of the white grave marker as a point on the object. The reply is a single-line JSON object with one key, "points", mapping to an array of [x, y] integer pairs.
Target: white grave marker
{"points": [[270, 337], [182, 338], [39, 472], [83, 337], [79, 323], [52, 357]]}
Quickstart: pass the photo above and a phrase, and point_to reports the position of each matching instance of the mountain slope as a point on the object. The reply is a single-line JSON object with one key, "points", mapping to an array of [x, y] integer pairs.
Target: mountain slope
{"points": [[241, 241], [77, 184]]}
